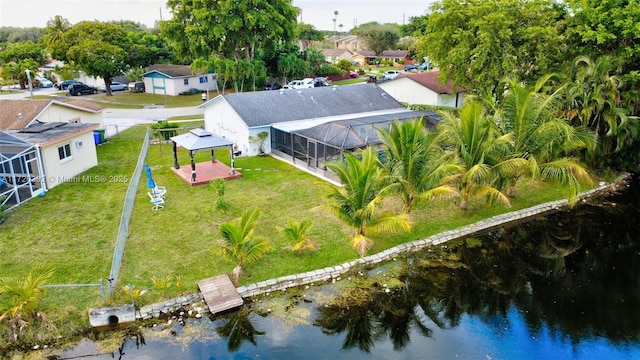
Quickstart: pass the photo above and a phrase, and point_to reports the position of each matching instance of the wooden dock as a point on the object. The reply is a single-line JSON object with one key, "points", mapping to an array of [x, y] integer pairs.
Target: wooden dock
{"points": [[219, 294]]}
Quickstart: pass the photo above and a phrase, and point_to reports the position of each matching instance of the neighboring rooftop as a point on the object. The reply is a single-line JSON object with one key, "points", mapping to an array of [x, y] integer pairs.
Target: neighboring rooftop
{"points": [[430, 80], [45, 133], [18, 114], [172, 71]]}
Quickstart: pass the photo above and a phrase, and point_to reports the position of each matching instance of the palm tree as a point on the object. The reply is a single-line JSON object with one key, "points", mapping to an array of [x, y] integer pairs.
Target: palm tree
{"points": [[417, 165], [593, 99], [239, 243], [298, 234], [335, 18], [22, 296], [357, 203], [540, 137], [484, 153], [56, 27]]}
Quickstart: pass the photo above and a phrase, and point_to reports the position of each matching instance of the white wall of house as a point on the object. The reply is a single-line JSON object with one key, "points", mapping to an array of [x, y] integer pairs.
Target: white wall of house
{"points": [[255, 146], [59, 113], [222, 120], [173, 87], [409, 91], [82, 157]]}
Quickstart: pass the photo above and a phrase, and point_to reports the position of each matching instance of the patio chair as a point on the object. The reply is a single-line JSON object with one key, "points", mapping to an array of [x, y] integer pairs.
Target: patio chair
{"points": [[156, 201], [159, 191]]}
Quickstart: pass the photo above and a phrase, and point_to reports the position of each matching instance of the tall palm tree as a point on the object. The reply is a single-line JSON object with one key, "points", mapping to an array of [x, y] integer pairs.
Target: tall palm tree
{"points": [[357, 203], [239, 243], [540, 137], [593, 99], [483, 151], [56, 27], [417, 165]]}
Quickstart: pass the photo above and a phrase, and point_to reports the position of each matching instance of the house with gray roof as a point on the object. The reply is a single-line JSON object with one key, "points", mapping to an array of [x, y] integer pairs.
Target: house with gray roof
{"points": [[289, 116], [167, 79]]}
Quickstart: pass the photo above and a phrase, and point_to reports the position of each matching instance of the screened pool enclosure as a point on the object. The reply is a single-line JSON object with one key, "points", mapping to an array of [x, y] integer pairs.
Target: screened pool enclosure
{"points": [[20, 170], [316, 145]]}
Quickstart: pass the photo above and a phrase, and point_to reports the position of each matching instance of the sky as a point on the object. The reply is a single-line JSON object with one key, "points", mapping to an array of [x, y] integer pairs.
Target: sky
{"points": [[319, 13]]}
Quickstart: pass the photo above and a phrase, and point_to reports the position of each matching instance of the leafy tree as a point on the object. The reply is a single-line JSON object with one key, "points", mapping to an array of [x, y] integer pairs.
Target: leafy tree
{"points": [[417, 165], [239, 243], [17, 71], [231, 28], [291, 65], [18, 57], [483, 152], [358, 202], [416, 26], [98, 49], [307, 34], [345, 65], [378, 37], [476, 43]]}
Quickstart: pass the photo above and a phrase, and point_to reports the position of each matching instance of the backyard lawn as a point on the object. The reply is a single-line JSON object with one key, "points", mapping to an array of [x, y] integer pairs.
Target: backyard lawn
{"points": [[73, 228]]}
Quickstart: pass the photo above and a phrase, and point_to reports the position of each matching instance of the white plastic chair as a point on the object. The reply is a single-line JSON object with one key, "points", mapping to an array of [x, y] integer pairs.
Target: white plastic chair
{"points": [[159, 191], [158, 202]]}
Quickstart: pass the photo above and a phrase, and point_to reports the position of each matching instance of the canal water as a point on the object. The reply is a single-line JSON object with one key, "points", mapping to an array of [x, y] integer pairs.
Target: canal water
{"points": [[562, 286]]}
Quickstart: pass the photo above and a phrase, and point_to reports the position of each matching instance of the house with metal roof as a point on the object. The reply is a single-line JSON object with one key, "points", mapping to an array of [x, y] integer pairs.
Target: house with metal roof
{"points": [[166, 79], [293, 120], [424, 88]]}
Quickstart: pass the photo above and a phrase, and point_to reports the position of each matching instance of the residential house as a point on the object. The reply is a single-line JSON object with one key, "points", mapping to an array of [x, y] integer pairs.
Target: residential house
{"points": [[424, 88], [334, 55], [177, 79], [351, 43], [397, 57], [44, 143], [291, 119]]}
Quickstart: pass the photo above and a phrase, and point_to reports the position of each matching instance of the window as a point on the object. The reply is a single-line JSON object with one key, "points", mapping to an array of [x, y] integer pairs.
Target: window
{"points": [[64, 151], [186, 81], [204, 79]]}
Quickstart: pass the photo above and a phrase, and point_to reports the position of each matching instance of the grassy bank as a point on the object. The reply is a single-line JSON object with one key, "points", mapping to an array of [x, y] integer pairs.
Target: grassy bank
{"points": [[73, 228]]}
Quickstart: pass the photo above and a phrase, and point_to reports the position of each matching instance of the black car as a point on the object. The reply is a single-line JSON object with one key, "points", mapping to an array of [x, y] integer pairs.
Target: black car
{"points": [[65, 84], [272, 85], [79, 89]]}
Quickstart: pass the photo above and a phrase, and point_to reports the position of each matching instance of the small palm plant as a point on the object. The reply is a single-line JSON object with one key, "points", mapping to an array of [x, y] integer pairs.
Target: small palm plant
{"points": [[298, 234], [219, 187], [21, 298], [161, 284], [239, 242]]}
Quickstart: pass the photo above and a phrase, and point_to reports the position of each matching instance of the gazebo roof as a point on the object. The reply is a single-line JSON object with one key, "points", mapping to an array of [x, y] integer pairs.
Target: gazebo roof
{"points": [[198, 139]]}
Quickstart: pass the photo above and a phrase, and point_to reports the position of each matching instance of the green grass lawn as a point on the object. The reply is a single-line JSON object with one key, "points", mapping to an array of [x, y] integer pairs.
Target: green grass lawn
{"points": [[73, 228]]}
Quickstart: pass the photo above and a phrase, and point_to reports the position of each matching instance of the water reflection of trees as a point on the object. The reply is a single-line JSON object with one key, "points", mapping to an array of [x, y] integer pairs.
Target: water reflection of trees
{"points": [[575, 273], [237, 327]]}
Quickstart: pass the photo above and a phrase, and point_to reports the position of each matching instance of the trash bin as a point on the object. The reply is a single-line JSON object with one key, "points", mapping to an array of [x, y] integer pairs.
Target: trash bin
{"points": [[96, 137], [101, 134]]}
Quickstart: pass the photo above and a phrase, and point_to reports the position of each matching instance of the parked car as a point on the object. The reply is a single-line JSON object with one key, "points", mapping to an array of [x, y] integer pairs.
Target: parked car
{"points": [[65, 84], [390, 74], [423, 66], [115, 86], [321, 81], [305, 83], [353, 74], [272, 85], [80, 89], [44, 82], [136, 87]]}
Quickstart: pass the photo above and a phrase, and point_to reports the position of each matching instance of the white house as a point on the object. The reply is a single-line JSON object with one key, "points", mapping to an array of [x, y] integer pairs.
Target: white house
{"points": [[424, 89], [334, 55], [44, 143], [176, 79], [240, 117]]}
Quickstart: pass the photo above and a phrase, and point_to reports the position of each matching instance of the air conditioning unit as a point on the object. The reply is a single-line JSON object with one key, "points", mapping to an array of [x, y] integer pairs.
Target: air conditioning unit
{"points": [[79, 144]]}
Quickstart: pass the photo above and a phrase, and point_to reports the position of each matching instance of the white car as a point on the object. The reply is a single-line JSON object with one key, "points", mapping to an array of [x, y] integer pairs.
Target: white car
{"points": [[115, 86], [44, 83], [391, 74], [305, 83]]}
